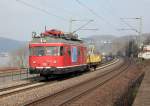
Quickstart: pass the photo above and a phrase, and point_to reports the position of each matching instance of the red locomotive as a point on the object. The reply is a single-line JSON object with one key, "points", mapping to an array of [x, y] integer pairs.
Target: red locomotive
{"points": [[54, 52]]}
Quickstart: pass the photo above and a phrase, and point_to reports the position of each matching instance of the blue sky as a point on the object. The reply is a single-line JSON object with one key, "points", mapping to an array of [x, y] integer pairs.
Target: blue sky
{"points": [[18, 20]]}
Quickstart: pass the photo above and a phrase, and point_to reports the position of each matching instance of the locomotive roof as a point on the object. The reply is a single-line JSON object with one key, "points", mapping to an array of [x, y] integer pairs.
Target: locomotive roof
{"points": [[55, 40]]}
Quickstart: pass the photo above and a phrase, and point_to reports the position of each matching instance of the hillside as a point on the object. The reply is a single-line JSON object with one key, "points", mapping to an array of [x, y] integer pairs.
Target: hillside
{"points": [[103, 43], [7, 45], [112, 44]]}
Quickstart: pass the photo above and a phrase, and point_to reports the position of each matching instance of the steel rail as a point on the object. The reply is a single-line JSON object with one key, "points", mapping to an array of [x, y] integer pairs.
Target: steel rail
{"points": [[31, 85], [34, 81], [125, 66], [71, 99], [20, 88]]}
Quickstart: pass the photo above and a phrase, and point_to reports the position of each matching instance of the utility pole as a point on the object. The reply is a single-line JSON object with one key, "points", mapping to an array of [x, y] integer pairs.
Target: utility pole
{"points": [[45, 28], [70, 25], [139, 30], [73, 20]]}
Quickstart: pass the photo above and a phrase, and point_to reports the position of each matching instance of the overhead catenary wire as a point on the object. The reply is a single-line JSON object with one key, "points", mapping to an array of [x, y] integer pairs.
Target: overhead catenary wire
{"points": [[66, 11], [109, 6], [122, 20], [114, 14], [82, 26], [41, 9], [94, 13], [129, 25]]}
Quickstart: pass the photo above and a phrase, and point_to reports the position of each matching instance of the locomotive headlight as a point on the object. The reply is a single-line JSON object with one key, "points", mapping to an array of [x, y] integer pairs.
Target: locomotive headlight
{"points": [[44, 64], [55, 61], [48, 61], [34, 62]]}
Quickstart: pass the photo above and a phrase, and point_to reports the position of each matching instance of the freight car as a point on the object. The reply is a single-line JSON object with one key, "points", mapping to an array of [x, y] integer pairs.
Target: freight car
{"points": [[55, 53], [93, 58]]}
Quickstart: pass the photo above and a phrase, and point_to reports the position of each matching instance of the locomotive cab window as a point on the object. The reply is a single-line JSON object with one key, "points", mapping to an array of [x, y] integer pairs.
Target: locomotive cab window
{"points": [[69, 52], [37, 51], [47, 51], [52, 51], [79, 52], [61, 51]]}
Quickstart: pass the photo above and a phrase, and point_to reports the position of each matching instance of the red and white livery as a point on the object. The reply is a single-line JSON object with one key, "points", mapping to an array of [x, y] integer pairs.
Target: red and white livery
{"points": [[51, 55]]}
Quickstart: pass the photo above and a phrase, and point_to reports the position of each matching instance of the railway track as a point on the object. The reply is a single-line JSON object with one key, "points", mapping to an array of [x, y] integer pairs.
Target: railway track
{"points": [[20, 88], [65, 97], [95, 86], [14, 86], [31, 85]]}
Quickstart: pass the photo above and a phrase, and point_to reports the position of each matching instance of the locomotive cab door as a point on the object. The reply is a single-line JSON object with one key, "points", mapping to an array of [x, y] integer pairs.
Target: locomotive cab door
{"points": [[67, 55]]}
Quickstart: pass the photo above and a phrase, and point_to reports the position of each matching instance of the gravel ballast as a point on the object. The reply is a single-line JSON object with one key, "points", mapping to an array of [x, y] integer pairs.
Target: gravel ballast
{"points": [[50, 89], [116, 92]]}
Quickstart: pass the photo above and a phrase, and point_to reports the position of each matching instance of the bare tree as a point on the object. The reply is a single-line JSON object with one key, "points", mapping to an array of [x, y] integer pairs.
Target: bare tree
{"points": [[19, 57], [131, 49], [147, 41]]}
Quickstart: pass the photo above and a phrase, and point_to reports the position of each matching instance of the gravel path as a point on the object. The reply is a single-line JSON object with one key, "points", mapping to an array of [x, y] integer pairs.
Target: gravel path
{"points": [[143, 95]]}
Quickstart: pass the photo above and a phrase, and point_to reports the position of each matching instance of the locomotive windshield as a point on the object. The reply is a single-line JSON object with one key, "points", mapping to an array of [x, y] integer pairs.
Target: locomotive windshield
{"points": [[37, 51], [52, 51], [46, 51]]}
